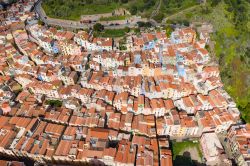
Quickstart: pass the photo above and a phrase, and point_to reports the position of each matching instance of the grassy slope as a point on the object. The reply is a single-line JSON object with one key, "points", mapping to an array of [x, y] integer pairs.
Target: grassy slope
{"points": [[230, 49], [169, 7], [112, 33], [180, 146], [172, 6], [73, 9]]}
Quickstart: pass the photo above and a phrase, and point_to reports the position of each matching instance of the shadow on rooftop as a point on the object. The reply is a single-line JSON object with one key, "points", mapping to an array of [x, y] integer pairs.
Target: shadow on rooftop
{"points": [[96, 162]]}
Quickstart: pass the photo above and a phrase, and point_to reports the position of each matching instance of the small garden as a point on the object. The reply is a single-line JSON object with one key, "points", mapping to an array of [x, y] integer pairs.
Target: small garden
{"points": [[186, 152]]}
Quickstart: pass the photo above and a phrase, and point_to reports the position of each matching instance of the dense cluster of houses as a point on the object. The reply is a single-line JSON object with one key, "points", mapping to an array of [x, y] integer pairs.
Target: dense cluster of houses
{"points": [[73, 98], [66, 42], [8, 163]]}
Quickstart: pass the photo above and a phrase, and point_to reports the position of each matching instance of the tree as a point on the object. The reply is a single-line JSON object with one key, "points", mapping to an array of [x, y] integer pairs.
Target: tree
{"points": [[54, 103], [133, 10], [140, 24], [122, 47], [148, 24], [186, 23], [87, 66], [127, 29], [183, 22], [215, 2], [89, 1], [137, 31], [169, 30], [144, 24], [159, 17], [124, 1], [148, 4], [40, 22], [205, 10], [98, 27]]}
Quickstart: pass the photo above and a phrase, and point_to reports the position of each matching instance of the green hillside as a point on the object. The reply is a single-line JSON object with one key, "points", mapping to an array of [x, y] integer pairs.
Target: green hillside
{"points": [[73, 9]]}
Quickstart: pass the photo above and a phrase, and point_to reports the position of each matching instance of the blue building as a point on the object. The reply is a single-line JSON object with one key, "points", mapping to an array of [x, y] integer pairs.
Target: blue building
{"points": [[179, 57], [138, 59], [55, 47], [175, 38], [160, 54], [39, 77], [180, 69], [23, 60], [149, 45]]}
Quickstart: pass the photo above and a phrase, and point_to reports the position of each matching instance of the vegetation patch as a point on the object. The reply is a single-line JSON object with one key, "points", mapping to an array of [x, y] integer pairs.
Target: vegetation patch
{"points": [[112, 33], [73, 9], [178, 147], [174, 6], [54, 103]]}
